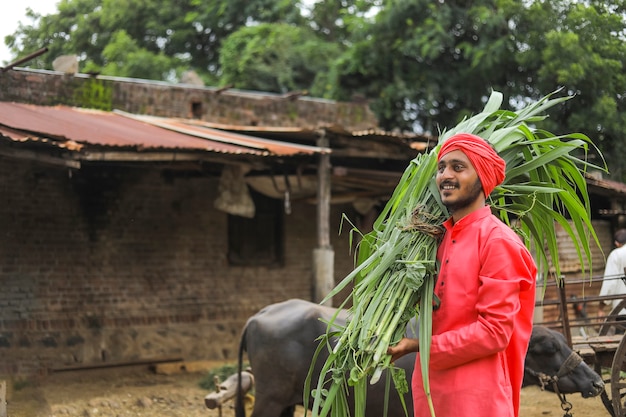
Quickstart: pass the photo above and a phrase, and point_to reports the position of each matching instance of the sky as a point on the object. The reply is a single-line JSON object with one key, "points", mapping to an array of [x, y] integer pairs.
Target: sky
{"points": [[16, 12]]}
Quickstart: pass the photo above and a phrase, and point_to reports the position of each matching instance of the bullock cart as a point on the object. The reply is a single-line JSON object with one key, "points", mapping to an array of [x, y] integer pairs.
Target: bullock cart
{"points": [[593, 329]]}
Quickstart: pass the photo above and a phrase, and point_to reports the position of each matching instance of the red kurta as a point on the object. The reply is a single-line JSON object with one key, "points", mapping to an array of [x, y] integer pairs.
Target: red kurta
{"points": [[481, 330]]}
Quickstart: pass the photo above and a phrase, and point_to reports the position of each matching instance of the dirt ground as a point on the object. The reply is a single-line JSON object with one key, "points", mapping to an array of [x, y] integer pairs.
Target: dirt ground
{"points": [[139, 391]]}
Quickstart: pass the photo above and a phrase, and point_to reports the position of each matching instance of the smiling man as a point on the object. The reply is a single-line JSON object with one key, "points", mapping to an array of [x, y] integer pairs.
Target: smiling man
{"points": [[486, 288]]}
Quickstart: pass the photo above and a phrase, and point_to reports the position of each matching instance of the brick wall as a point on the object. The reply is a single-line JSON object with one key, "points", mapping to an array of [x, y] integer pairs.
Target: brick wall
{"points": [[573, 275], [170, 100], [129, 265]]}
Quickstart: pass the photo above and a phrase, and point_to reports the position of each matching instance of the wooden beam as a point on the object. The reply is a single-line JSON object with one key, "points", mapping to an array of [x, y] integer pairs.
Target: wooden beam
{"points": [[365, 184], [139, 156], [341, 171], [174, 157], [25, 59], [39, 157], [357, 153]]}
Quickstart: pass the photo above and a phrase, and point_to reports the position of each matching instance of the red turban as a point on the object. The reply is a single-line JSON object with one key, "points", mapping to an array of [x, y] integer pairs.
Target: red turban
{"points": [[487, 163]]}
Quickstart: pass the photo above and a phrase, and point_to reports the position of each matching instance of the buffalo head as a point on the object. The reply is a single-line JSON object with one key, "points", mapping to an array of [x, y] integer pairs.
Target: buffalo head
{"points": [[550, 360]]}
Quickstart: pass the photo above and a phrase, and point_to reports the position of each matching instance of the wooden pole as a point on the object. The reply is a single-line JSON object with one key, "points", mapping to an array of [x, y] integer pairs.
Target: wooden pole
{"points": [[323, 255], [564, 316], [25, 59], [3, 398]]}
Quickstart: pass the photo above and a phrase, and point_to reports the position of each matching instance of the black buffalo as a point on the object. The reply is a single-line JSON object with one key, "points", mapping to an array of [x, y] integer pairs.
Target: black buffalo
{"points": [[549, 356], [280, 343]]}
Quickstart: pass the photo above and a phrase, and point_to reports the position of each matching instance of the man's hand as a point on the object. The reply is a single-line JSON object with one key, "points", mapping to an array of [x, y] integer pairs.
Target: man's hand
{"points": [[404, 347]]}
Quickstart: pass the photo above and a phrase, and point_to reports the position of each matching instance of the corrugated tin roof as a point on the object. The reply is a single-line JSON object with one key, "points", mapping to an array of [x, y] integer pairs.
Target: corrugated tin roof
{"points": [[23, 136], [414, 141], [85, 127], [189, 127]]}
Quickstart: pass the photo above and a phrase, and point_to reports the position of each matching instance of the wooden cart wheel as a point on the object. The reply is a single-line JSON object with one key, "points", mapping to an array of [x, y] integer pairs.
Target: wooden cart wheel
{"points": [[604, 396], [610, 326], [618, 382]]}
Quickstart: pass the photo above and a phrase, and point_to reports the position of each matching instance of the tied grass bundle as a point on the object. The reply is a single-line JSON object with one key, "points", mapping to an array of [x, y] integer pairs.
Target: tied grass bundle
{"points": [[396, 268]]}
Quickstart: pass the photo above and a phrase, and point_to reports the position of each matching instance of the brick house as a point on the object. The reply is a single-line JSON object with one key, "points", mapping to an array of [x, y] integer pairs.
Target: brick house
{"points": [[119, 243]]}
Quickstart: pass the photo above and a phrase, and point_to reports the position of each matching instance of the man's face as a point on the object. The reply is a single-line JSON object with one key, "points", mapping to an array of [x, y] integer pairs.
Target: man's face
{"points": [[459, 186]]}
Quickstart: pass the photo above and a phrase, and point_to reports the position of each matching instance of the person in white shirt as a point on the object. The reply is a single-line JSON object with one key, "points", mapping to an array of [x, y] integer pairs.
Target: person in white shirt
{"points": [[615, 264]]}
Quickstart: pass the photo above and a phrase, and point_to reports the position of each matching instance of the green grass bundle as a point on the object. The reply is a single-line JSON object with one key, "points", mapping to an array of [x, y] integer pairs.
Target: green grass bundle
{"points": [[394, 277]]}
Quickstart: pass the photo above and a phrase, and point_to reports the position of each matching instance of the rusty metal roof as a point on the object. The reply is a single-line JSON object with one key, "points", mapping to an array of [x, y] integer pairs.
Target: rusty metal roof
{"points": [[75, 128], [412, 140], [197, 129]]}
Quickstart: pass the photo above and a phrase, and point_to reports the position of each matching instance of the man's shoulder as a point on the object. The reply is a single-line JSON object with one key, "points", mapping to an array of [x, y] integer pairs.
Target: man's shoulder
{"points": [[617, 254], [497, 229]]}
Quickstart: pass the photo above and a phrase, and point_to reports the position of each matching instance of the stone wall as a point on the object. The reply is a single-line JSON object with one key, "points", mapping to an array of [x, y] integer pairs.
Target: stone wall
{"points": [[132, 266], [171, 100]]}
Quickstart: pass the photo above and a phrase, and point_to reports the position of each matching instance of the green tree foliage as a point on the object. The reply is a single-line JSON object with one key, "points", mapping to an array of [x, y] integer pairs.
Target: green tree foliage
{"points": [[213, 21], [337, 21], [276, 58], [429, 63], [187, 31], [88, 28], [125, 58], [75, 29], [580, 46]]}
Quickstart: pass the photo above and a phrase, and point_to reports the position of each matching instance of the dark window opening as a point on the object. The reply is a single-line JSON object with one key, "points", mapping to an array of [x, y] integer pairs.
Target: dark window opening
{"points": [[257, 241], [196, 110]]}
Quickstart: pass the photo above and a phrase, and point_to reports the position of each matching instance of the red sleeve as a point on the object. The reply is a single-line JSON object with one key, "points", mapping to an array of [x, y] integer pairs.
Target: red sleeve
{"points": [[508, 270]]}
